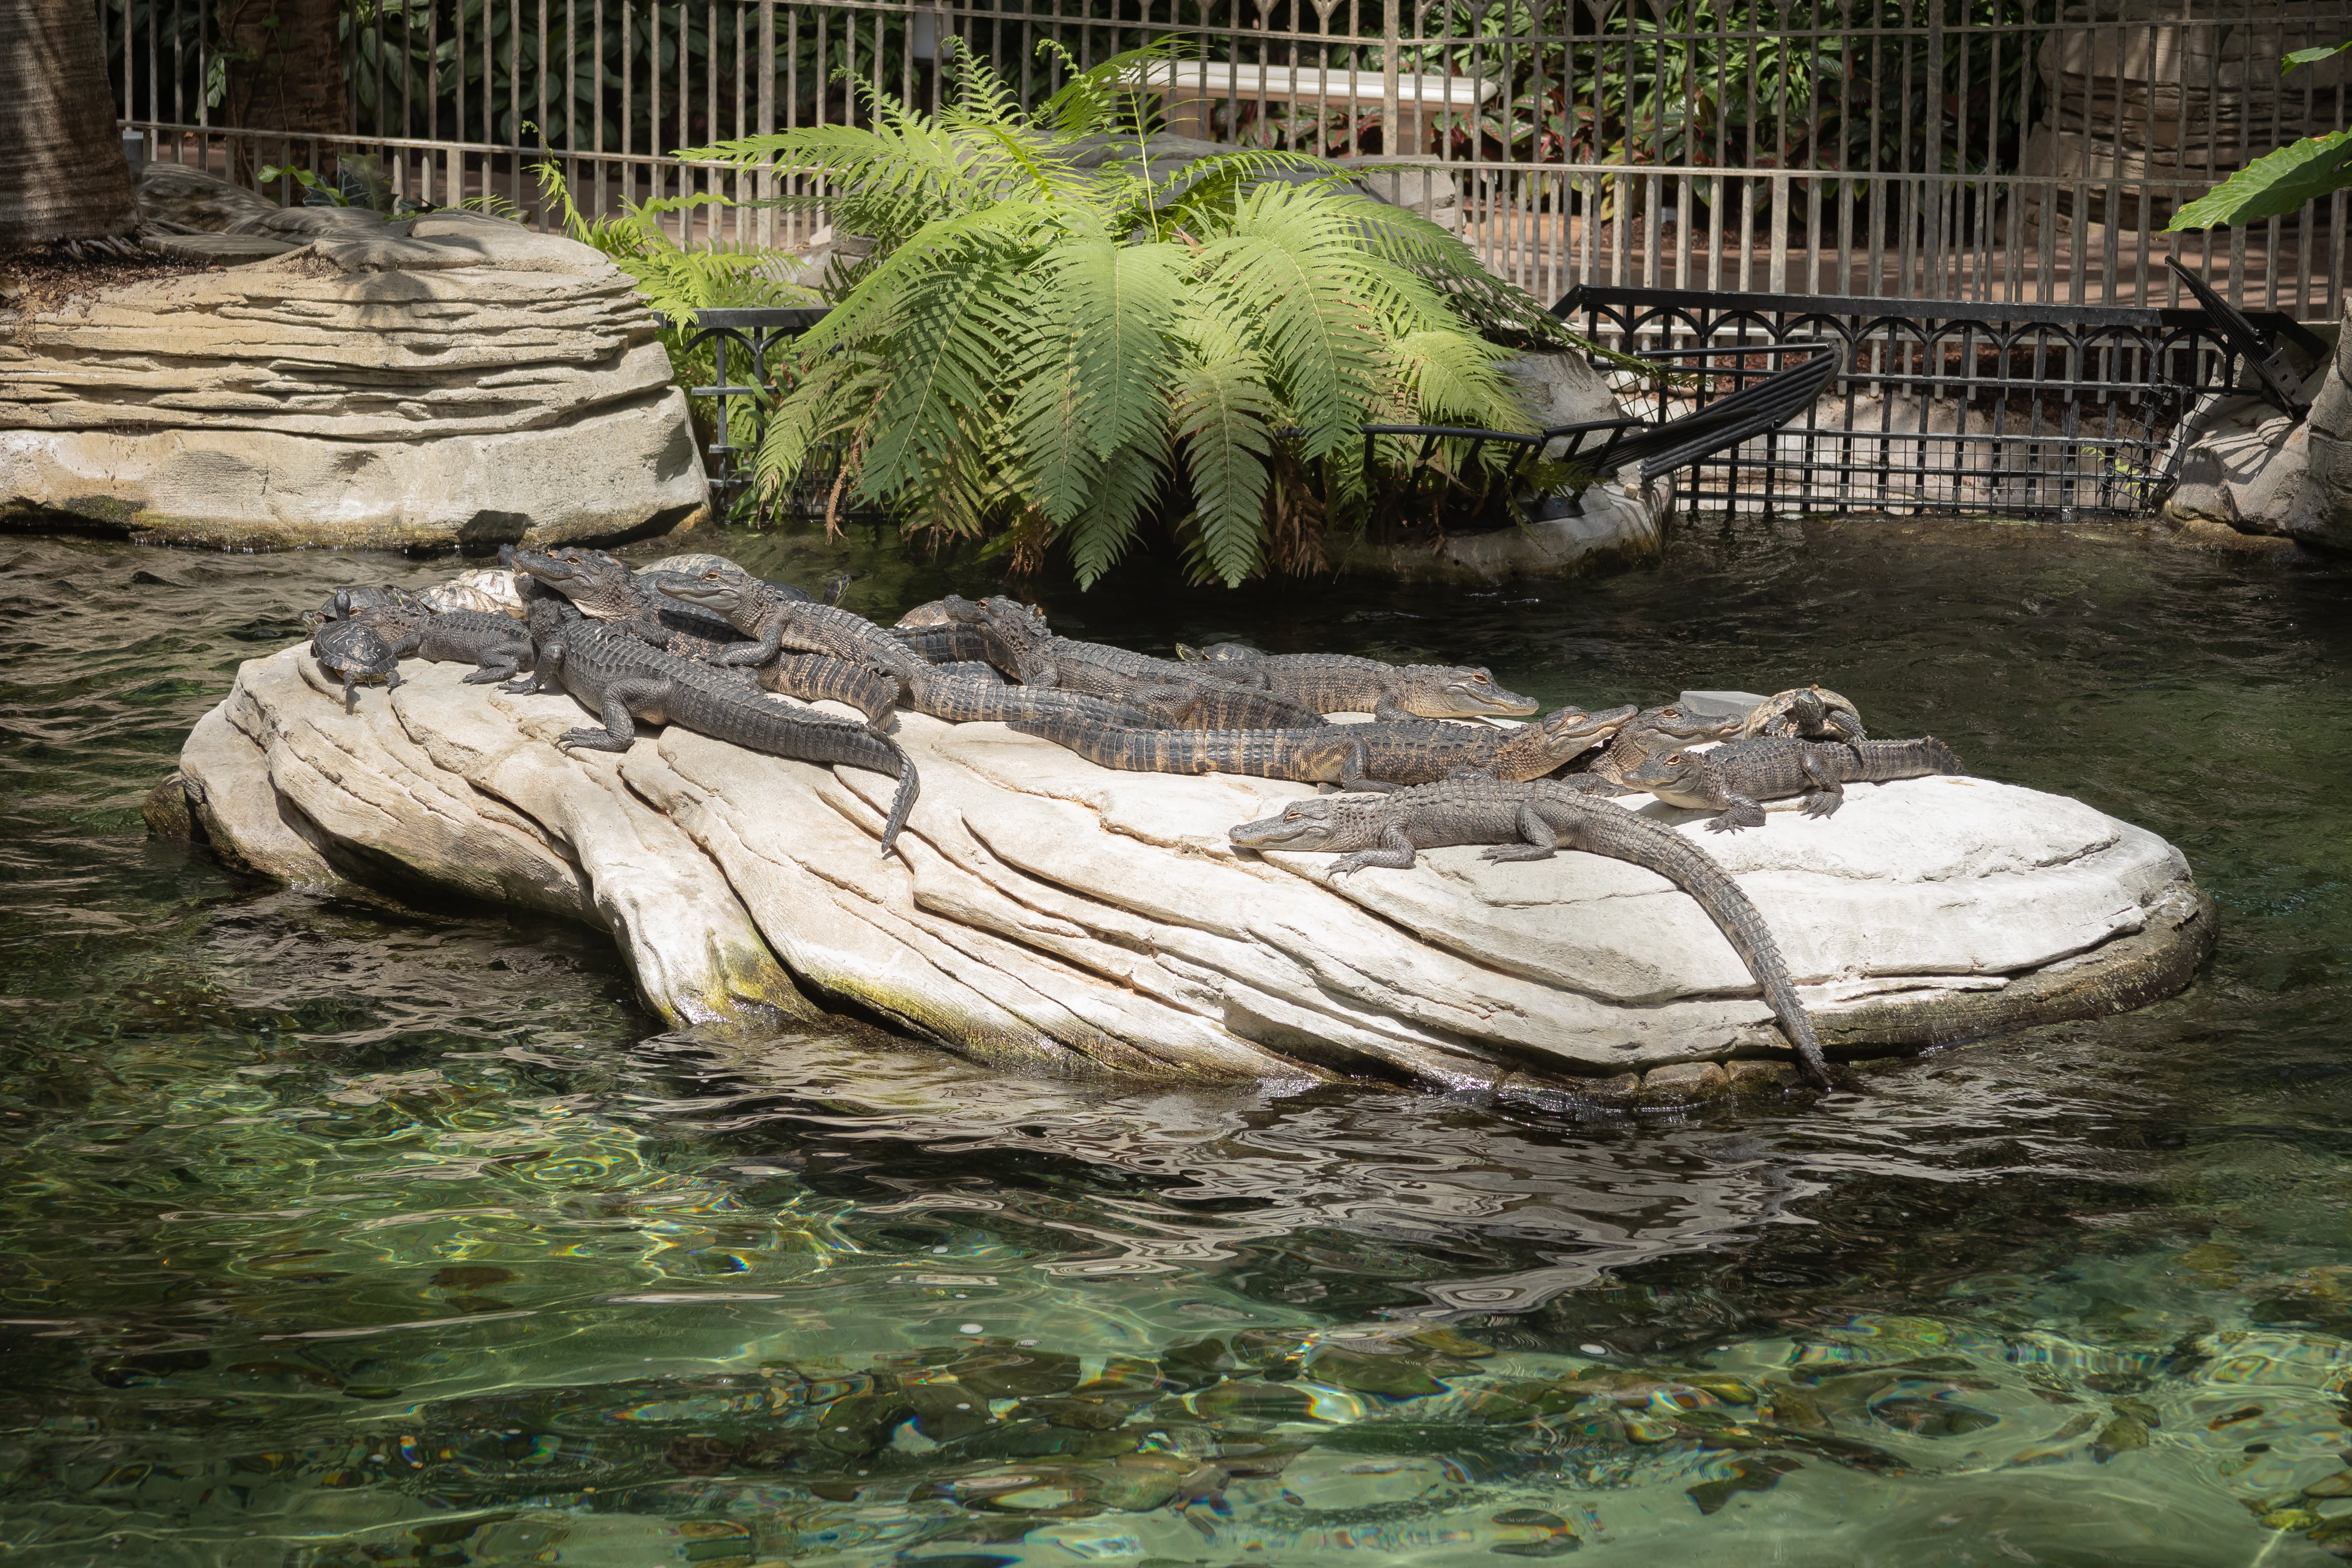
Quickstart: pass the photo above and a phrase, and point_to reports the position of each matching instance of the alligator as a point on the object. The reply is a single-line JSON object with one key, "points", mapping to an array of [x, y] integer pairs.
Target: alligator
{"points": [[774, 622], [813, 676], [1343, 683], [621, 679], [499, 644], [1376, 756], [359, 598], [1806, 713], [949, 643], [1655, 730], [1731, 779], [1049, 662], [353, 651], [1531, 821], [604, 589]]}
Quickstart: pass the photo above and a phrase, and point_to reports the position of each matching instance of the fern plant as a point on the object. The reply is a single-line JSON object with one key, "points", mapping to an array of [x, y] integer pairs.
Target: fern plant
{"points": [[1065, 353]]}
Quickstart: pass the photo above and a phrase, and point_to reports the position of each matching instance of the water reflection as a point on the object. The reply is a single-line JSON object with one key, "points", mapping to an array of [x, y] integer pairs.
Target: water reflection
{"points": [[344, 1233]]}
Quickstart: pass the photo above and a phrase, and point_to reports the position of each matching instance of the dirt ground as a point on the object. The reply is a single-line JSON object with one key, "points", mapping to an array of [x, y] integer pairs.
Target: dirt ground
{"points": [[44, 277]]}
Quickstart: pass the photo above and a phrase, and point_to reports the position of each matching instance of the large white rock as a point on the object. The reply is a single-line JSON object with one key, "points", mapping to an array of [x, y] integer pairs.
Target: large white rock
{"points": [[449, 379], [1049, 913]]}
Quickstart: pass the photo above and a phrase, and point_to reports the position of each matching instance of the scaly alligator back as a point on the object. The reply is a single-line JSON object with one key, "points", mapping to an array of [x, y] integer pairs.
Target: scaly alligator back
{"points": [[814, 677], [1309, 756], [595, 660]]}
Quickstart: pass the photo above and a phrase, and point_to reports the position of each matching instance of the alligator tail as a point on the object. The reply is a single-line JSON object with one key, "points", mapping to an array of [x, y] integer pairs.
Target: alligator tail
{"points": [[962, 701], [1876, 761], [1112, 746], [818, 739], [1623, 836]]}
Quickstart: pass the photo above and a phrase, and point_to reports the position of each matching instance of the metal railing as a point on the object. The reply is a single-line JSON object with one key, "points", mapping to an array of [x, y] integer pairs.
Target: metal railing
{"points": [[2049, 411], [1985, 149]]}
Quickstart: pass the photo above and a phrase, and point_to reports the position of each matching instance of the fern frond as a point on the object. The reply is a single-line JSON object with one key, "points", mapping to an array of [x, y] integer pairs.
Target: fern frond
{"points": [[1132, 480], [1223, 407]]}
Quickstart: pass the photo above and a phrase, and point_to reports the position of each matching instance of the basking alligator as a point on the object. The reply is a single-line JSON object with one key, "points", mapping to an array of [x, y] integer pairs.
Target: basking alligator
{"points": [[1354, 756], [1654, 730], [1806, 713], [1528, 822], [501, 644], [774, 622], [1731, 779], [1047, 662], [621, 679], [604, 589], [1343, 683], [353, 651]]}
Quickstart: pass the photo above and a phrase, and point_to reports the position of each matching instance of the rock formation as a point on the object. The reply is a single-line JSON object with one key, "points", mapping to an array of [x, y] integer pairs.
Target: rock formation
{"points": [[1047, 914], [446, 379]]}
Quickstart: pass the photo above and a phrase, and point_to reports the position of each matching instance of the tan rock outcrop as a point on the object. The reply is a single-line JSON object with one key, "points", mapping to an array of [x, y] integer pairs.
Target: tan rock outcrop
{"points": [[448, 379], [1046, 913]]}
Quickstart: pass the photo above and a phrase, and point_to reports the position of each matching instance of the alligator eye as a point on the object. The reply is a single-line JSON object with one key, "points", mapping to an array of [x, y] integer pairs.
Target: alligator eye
{"points": [[1674, 761], [1670, 712], [1481, 678]]}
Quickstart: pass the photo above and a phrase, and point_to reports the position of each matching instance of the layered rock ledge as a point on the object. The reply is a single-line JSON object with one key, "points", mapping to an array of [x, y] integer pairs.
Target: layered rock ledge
{"points": [[1048, 914], [442, 380]]}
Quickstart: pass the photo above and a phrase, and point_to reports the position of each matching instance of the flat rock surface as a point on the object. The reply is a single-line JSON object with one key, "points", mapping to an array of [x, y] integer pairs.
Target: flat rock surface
{"points": [[1047, 912], [444, 379]]}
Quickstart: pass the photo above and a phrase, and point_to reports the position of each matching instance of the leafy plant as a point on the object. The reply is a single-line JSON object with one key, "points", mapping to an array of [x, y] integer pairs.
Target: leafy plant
{"points": [[2278, 183], [1065, 352]]}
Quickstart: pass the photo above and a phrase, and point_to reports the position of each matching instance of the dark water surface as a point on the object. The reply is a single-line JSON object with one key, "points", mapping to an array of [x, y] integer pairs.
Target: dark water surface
{"points": [[339, 1234]]}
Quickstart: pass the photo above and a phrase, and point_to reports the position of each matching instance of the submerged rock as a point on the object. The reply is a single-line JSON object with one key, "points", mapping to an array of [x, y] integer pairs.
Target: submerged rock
{"points": [[1048, 913], [441, 380]]}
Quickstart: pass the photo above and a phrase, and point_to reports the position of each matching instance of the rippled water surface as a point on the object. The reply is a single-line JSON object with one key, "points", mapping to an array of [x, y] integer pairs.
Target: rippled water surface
{"points": [[340, 1233]]}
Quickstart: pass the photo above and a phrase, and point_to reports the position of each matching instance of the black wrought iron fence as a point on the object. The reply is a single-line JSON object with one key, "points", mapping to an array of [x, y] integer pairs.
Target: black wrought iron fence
{"points": [[2041, 411]]}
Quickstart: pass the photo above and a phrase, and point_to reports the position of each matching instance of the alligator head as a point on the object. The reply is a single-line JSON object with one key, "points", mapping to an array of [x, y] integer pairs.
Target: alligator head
{"points": [[1446, 691], [1681, 724], [722, 590], [1312, 824], [1673, 777], [597, 582], [1569, 733]]}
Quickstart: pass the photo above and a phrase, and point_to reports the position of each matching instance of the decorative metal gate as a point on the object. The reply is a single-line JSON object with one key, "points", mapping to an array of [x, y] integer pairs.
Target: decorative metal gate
{"points": [[1983, 149], [2054, 411]]}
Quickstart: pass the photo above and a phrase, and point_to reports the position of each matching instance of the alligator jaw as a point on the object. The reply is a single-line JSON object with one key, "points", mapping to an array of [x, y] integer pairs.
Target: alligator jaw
{"points": [[1475, 696], [1294, 829], [1572, 731]]}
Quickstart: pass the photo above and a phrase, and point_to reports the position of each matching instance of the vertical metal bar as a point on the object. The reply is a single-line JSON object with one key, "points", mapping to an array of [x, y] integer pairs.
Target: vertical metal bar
{"points": [[767, 102]]}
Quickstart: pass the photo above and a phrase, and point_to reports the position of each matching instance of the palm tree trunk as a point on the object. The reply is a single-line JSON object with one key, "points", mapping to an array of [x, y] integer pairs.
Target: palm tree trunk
{"points": [[285, 73], [62, 176]]}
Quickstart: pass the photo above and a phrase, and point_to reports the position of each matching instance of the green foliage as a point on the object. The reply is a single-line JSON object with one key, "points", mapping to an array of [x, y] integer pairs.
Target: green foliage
{"points": [[303, 177], [2312, 57], [1066, 353], [2280, 183], [2274, 185]]}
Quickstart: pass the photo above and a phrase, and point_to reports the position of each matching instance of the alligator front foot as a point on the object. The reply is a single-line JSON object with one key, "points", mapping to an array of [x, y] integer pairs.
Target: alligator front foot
{"points": [[1387, 859], [1745, 814], [593, 739], [1823, 803]]}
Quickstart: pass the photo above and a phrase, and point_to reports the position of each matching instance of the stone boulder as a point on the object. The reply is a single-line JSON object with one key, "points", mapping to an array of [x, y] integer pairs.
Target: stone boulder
{"points": [[1051, 915], [451, 379], [2251, 468]]}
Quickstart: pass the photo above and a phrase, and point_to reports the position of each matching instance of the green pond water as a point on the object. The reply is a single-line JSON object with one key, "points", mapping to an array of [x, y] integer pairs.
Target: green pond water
{"points": [[336, 1233]]}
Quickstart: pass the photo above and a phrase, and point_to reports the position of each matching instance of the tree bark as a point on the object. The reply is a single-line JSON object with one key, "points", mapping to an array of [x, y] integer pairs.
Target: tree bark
{"points": [[62, 175], [285, 73]]}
